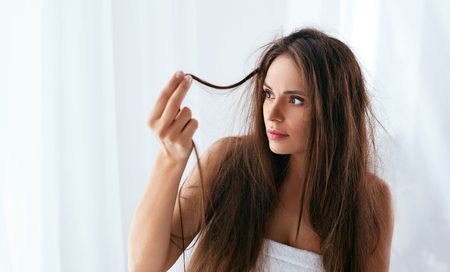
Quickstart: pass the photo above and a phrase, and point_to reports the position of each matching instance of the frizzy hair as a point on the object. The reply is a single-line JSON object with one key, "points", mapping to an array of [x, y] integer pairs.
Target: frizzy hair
{"points": [[340, 166]]}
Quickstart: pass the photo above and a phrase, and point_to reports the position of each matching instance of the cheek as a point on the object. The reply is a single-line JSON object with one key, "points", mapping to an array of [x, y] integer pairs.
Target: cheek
{"points": [[302, 127], [264, 112]]}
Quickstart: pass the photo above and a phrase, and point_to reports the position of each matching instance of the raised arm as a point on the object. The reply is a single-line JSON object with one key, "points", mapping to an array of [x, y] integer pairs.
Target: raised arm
{"points": [[148, 240], [153, 243]]}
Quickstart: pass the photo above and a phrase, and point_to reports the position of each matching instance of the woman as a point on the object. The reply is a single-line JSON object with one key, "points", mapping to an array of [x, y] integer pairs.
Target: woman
{"points": [[297, 192]]}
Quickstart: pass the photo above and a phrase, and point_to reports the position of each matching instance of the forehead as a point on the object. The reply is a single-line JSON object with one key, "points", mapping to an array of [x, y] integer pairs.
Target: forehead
{"points": [[284, 73]]}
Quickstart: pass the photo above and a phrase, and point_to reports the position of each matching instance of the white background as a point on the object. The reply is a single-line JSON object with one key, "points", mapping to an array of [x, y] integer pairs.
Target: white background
{"points": [[78, 80]]}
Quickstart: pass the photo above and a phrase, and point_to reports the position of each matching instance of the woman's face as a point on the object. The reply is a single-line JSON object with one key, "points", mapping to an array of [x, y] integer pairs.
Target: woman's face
{"points": [[286, 107]]}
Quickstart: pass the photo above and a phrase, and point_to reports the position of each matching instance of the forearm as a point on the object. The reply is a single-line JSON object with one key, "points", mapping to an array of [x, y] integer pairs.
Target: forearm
{"points": [[149, 237]]}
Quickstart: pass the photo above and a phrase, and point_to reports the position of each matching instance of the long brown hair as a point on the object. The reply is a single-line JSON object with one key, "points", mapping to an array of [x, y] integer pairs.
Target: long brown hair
{"points": [[343, 207]]}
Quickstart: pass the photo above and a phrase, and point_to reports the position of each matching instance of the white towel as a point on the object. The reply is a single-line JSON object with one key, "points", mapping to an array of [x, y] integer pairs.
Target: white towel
{"points": [[284, 258]]}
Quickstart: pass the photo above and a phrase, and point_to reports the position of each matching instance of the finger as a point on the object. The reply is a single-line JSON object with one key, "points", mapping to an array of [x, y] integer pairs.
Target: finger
{"points": [[180, 121], [189, 129], [165, 95], [178, 113], [175, 100]]}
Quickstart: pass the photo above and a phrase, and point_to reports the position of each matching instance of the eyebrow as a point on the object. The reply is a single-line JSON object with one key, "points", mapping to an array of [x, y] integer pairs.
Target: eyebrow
{"points": [[288, 91]]}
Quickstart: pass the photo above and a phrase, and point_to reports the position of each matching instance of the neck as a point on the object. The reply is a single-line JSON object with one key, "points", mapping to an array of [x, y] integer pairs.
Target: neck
{"points": [[292, 187], [296, 173]]}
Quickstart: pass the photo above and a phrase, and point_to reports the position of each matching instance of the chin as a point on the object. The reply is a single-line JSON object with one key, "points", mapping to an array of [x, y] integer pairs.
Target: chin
{"points": [[281, 151]]}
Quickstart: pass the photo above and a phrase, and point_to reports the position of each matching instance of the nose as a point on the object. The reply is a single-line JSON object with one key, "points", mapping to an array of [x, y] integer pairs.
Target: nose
{"points": [[274, 112]]}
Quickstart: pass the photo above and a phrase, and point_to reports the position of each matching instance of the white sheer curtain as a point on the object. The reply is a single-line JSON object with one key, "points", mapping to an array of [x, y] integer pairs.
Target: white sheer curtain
{"points": [[60, 191], [78, 78]]}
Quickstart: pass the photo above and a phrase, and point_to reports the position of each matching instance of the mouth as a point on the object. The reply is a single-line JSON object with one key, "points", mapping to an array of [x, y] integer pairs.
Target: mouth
{"points": [[276, 134]]}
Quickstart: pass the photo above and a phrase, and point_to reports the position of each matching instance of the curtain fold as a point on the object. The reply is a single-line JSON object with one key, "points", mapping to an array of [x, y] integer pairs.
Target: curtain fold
{"points": [[83, 215]]}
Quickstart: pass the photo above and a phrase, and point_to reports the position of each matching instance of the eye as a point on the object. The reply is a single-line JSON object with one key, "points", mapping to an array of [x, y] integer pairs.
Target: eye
{"points": [[301, 101], [266, 93]]}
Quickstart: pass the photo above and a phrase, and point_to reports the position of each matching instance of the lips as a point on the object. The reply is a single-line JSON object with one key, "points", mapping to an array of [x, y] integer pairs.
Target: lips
{"points": [[276, 135], [276, 132]]}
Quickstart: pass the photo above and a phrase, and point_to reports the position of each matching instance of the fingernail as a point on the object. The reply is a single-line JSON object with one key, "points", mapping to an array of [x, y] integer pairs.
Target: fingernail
{"points": [[188, 78], [178, 74]]}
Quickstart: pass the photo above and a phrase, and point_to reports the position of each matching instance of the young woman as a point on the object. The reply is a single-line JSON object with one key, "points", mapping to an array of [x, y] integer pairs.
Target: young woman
{"points": [[297, 192]]}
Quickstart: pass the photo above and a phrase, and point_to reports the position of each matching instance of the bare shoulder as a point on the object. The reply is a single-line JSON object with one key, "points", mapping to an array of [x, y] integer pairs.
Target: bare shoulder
{"points": [[210, 161], [380, 259], [382, 191], [216, 152], [383, 199], [223, 145]]}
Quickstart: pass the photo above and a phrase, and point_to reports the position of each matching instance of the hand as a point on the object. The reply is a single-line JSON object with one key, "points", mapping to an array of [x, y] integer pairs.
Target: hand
{"points": [[174, 127]]}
